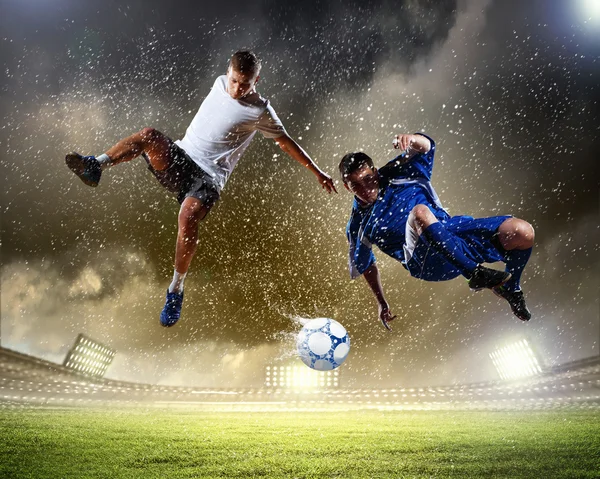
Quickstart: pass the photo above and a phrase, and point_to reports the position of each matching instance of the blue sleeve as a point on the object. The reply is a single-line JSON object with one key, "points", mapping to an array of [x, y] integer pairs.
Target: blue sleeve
{"points": [[426, 159], [360, 254], [421, 165]]}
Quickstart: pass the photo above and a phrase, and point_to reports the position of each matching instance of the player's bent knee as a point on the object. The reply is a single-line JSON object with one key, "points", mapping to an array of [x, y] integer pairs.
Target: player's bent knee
{"points": [[527, 233], [422, 215], [147, 132], [517, 233], [150, 135]]}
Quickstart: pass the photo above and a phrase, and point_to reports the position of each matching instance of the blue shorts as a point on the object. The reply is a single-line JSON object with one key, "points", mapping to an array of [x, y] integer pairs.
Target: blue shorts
{"points": [[476, 236]]}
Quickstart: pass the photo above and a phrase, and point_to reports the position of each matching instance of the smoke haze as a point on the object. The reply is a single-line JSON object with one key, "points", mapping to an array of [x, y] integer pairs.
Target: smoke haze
{"points": [[510, 98]]}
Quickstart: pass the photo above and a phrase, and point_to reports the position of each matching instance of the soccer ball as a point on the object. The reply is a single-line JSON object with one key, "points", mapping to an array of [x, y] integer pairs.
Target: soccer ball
{"points": [[323, 344]]}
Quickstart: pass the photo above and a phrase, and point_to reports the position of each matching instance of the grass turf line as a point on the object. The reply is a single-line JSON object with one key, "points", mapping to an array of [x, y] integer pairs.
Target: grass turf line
{"points": [[127, 443]]}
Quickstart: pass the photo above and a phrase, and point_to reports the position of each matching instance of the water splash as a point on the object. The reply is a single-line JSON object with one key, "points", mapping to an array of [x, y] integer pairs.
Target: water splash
{"points": [[299, 319]]}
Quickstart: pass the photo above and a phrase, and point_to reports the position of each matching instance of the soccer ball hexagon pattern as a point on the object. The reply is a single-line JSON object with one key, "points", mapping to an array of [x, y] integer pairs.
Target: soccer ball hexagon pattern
{"points": [[323, 344]]}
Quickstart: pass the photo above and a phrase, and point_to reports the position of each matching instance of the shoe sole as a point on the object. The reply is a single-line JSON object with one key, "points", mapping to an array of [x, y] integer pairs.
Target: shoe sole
{"points": [[170, 324], [76, 165], [515, 314], [504, 281]]}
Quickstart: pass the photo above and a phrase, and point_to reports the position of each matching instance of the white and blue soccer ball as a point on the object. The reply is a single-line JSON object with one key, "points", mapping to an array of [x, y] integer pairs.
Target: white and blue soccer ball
{"points": [[323, 344]]}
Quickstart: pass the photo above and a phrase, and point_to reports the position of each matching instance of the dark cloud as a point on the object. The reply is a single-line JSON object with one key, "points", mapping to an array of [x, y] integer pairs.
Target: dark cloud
{"points": [[511, 100]]}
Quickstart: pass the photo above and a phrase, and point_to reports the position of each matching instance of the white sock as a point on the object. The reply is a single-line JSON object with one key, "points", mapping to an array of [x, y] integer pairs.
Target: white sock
{"points": [[177, 283], [104, 160]]}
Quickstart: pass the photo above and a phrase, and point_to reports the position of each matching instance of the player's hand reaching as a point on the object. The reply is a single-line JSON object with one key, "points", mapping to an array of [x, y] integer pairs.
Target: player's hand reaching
{"points": [[326, 182], [412, 144], [385, 316], [403, 142]]}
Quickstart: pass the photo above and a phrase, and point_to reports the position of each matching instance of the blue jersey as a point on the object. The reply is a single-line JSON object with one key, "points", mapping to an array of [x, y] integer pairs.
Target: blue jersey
{"points": [[402, 185]]}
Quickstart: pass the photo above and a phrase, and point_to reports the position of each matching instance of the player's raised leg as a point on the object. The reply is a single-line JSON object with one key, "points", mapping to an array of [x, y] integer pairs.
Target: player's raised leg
{"points": [[422, 220], [148, 140], [516, 237], [192, 211]]}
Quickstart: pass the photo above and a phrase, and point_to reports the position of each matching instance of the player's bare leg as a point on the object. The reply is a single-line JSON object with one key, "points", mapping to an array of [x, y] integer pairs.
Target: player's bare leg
{"points": [[192, 211], [516, 237], [149, 141], [424, 222]]}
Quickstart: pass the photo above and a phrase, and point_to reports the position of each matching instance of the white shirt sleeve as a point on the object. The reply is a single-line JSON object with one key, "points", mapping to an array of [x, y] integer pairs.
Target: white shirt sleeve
{"points": [[269, 123]]}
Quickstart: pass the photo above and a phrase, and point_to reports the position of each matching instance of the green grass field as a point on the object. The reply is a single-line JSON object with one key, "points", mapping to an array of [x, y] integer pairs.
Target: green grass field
{"points": [[83, 443]]}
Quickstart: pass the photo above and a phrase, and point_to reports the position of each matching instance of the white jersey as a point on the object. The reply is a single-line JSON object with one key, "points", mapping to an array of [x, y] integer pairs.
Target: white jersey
{"points": [[223, 128]]}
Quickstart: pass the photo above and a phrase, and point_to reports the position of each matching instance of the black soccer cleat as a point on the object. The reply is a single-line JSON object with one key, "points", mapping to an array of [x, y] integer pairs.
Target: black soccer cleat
{"points": [[484, 277], [86, 167], [516, 301]]}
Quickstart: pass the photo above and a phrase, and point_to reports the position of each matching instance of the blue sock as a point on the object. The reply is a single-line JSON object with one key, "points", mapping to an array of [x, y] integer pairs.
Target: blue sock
{"points": [[515, 260], [445, 243]]}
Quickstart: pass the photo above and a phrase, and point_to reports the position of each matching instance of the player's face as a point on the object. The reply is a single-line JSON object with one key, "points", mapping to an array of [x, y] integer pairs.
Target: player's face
{"points": [[364, 183], [240, 84]]}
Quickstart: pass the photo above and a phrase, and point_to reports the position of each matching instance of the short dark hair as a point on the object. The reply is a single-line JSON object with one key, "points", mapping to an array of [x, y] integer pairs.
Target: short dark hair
{"points": [[354, 161], [245, 61]]}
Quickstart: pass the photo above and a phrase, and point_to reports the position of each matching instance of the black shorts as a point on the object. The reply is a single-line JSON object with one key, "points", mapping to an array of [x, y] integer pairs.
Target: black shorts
{"points": [[185, 178]]}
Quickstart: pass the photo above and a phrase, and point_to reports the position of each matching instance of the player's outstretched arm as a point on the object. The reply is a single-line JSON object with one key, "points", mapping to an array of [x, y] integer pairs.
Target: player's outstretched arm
{"points": [[293, 149], [372, 277]]}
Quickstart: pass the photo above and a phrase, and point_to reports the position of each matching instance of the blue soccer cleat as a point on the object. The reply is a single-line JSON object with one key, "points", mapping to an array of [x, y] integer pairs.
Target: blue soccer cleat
{"points": [[172, 310], [86, 167]]}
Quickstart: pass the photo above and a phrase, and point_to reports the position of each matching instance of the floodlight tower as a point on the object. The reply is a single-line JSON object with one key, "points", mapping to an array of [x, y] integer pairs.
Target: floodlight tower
{"points": [[89, 357], [300, 378], [516, 360]]}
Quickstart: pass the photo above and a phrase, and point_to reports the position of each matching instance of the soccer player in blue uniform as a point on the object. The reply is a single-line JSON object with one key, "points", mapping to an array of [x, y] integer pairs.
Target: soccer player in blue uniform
{"points": [[396, 208]]}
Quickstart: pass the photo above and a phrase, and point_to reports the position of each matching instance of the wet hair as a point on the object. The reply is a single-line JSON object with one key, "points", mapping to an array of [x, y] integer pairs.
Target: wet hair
{"points": [[245, 61], [354, 161]]}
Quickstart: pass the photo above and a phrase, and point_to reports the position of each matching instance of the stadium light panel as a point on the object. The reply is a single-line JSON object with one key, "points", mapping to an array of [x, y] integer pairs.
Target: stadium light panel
{"points": [[516, 360], [300, 378], [89, 357]]}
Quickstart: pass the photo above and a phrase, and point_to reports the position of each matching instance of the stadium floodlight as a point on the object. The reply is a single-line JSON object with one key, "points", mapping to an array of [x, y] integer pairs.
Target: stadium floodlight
{"points": [[89, 357], [516, 360], [300, 378]]}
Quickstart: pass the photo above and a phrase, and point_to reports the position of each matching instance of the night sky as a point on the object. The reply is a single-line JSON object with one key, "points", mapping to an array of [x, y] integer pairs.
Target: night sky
{"points": [[509, 90]]}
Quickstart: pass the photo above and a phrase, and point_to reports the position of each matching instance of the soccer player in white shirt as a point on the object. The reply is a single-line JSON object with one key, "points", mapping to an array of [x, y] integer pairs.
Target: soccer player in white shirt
{"points": [[197, 167]]}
